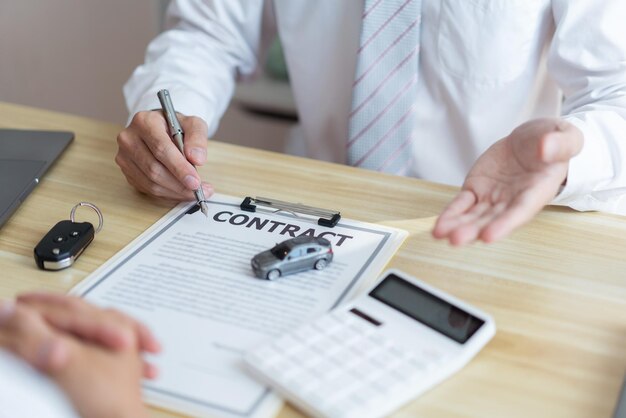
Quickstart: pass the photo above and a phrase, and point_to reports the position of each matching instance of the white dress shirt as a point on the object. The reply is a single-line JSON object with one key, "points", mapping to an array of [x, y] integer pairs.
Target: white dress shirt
{"points": [[486, 66], [26, 393]]}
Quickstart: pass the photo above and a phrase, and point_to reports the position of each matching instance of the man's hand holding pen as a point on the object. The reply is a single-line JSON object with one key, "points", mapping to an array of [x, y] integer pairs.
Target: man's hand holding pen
{"points": [[153, 164]]}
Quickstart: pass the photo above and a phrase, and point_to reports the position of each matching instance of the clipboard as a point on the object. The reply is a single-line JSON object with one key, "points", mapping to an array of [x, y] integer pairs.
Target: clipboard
{"points": [[325, 217]]}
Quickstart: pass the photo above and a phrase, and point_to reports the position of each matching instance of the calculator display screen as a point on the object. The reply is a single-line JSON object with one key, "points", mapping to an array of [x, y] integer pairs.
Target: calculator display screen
{"points": [[427, 308]]}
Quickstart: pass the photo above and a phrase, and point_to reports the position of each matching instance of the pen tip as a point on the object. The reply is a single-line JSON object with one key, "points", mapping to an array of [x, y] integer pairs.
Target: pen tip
{"points": [[204, 208]]}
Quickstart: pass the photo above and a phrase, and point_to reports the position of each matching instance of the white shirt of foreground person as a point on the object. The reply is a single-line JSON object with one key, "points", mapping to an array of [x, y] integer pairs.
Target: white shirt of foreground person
{"points": [[26, 393], [486, 66]]}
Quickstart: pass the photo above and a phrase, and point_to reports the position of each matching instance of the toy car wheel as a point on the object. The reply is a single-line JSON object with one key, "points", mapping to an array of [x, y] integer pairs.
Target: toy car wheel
{"points": [[273, 274], [321, 264]]}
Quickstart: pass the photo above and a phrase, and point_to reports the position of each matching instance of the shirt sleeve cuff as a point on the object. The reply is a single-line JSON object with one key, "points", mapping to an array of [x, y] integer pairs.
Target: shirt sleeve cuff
{"points": [[588, 171]]}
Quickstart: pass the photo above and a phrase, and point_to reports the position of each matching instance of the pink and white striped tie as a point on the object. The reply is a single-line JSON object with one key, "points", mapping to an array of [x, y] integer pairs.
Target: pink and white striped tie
{"points": [[381, 124]]}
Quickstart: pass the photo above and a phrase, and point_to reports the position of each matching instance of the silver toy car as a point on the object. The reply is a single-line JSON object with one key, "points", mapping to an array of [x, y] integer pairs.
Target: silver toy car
{"points": [[291, 256]]}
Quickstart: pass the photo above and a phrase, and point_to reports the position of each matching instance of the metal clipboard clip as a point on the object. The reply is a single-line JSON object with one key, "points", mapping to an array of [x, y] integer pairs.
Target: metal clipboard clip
{"points": [[328, 218]]}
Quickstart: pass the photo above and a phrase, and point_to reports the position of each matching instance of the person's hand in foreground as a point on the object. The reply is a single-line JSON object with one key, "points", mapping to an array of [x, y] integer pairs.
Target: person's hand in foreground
{"points": [[99, 380], [511, 182], [105, 327], [153, 164]]}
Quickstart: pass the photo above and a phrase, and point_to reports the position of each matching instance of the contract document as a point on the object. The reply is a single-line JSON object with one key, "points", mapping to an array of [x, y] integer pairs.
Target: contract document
{"points": [[189, 279]]}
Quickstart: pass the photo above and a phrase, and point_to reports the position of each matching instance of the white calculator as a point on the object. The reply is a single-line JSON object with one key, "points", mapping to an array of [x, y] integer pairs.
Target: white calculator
{"points": [[369, 357]]}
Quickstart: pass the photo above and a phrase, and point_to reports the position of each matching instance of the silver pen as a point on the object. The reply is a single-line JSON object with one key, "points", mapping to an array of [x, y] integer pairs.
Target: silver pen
{"points": [[176, 131]]}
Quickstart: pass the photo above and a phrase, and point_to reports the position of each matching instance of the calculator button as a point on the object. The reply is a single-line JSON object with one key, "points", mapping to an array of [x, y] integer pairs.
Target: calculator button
{"points": [[325, 347], [366, 370], [288, 341], [317, 328], [306, 362], [345, 358], [307, 333], [329, 322], [363, 328], [304, 355], [365, 348], [384, 359], [326, 369], [327, 325], [399, 352], [381, 341], [344, 335], [345, 318]]}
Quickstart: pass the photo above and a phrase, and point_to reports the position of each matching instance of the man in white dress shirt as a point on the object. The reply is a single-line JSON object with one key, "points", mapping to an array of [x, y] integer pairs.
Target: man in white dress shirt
{"points": [[522, 102]]}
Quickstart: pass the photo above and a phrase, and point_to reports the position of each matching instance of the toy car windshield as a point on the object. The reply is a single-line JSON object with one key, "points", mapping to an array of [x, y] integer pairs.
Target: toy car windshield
{"points": [[281, 250]]}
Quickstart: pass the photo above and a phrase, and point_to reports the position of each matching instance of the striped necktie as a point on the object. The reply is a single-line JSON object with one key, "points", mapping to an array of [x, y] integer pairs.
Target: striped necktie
{"points": [[381, 125]]}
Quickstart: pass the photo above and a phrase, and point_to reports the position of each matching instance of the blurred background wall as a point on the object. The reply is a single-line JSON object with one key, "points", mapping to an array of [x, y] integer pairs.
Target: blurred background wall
{"points": [[74, 56]]}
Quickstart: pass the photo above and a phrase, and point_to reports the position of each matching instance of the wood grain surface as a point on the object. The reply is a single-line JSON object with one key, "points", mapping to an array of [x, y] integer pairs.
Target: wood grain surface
{"points": [[557, 287]]}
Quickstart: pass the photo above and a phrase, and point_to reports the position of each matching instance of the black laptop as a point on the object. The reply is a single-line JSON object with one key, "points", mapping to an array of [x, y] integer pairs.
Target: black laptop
{"points": [[25, 156]]}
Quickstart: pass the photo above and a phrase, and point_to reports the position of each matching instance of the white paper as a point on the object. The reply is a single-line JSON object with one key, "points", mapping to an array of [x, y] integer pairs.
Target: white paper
{"points": [[189, 279], [26, 393]]}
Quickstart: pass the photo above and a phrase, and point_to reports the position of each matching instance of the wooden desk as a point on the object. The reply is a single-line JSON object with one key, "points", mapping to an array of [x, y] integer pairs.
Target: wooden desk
{"points": [[557, 288]]}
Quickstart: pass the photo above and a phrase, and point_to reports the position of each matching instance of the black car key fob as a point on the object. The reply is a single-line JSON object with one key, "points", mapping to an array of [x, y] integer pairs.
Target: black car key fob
{"points": [[66, 241], [63, 244]]}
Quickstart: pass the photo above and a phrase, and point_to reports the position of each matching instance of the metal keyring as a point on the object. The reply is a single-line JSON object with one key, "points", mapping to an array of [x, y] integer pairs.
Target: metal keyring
{"points": [[92, 206]]}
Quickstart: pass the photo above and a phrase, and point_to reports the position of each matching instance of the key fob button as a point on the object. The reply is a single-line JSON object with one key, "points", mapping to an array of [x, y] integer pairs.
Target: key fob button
{"points": [[74, 234], [56, 251], [59, 239]]}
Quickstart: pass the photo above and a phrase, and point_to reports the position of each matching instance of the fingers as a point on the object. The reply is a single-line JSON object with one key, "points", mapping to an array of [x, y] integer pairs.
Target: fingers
{"points": [[155, 180], [70, 315], [168, 154], [521, 210], [475, 212], [489, 222], [108, 327], [196, 138], [151, 161], [464, 200], [469, 231], [24, 332], [464, 227], [154, 170], [150, 371], [449, 217], [562, 144]]}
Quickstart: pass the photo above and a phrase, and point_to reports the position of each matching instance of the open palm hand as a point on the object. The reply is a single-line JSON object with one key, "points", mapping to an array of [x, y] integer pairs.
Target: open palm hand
{"points": [[511, 182]]}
